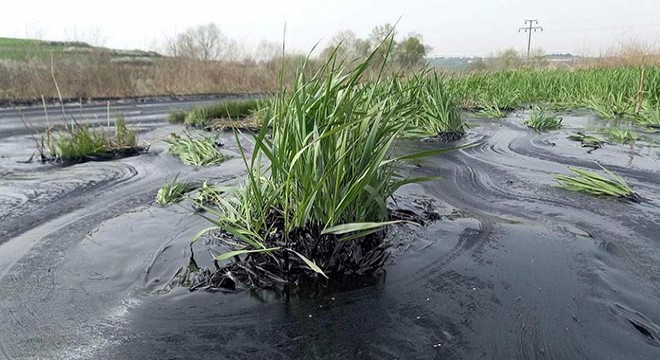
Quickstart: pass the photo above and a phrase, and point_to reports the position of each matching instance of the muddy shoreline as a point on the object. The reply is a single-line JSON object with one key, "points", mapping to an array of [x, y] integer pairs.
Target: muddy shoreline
{"points": [[514, 268]]}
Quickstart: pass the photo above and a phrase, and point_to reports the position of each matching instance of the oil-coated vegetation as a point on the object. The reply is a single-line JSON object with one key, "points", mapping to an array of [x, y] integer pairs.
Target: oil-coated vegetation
{"points": [[207, 196], [79, 142], [192, 150], [595, 184], [319, 177], [173, 192], [228, 109], [587, 141]]}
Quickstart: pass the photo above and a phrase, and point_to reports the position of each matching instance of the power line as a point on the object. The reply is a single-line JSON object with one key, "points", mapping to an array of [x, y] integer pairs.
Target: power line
{"points": [[529, 29]]}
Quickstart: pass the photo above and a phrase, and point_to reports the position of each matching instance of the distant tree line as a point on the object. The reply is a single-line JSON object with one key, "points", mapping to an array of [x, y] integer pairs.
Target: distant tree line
{"points": [[207, 42], [408, 52]]}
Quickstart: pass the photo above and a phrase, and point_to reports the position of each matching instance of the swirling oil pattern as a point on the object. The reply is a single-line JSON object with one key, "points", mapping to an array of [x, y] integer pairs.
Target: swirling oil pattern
{"points": [[515, 268]]}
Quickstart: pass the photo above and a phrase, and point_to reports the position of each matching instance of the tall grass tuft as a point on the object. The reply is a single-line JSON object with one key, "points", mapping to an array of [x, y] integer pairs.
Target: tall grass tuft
{"points": [[319, 179], [611, 106], [649, 116], [620, 135], [540, 120], [80, 142], [435, 113], [491, 112]]}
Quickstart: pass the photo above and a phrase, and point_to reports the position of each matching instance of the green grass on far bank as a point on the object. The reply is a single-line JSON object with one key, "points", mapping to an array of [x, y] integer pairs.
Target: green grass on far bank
{"points": [[631, 93], [203, 116], [25, 49]]}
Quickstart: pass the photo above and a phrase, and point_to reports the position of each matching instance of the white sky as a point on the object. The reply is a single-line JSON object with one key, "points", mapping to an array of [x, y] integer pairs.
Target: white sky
{"points": [[456, 27]]}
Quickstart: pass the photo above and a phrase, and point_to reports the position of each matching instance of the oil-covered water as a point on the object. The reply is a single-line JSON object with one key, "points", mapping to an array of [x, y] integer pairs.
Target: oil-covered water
{"points": [[515, 268]]}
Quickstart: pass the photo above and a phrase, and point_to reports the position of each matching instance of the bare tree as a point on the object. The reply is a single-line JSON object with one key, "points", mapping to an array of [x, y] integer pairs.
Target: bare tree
{"points": [[380, 33], [209, 40], [266, 51], [232, 51], [203, 42], [341, 44]]}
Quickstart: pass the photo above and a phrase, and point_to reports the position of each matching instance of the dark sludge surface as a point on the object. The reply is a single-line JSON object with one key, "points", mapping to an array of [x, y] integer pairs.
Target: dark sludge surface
{"points": [[345, 264], [512, 268]]}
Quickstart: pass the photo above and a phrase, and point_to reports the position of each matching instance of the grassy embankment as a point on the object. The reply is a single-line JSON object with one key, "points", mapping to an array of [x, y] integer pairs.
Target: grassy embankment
{"points": [[84, 71]]}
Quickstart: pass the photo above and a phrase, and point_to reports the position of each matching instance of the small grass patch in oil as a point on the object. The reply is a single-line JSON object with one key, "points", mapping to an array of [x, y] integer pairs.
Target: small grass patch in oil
{"points": [[229, 109], [491, 112], [540, 120], [587, 141], [79, 142], [592, 183], [619, 135], [207, 196], [176, 117], [199, 151], [173, 192]]}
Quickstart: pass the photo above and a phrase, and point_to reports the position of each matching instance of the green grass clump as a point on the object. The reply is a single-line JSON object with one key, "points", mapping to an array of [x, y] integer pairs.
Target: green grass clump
{"points": [[124, 137], [609, 92], [323, 172], [611, 106], [541, 121], [594, 184], [176, 117], [197, 117], [173, 192], [435, 113], [77, 142], [587, 141], [228, 109], [491, 112], [620, 135], [649, 116], [202, 151], [207, 196]]}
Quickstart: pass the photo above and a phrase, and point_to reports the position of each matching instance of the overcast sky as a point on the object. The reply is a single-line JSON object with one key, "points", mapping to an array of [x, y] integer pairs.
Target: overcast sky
{"points": [[457, 27]]}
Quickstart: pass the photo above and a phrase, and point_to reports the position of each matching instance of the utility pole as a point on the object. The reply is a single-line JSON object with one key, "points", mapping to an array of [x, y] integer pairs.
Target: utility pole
{"points": [[529, 29]]}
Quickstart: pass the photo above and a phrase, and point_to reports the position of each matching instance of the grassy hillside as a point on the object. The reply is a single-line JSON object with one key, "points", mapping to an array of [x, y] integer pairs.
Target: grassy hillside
{"points": [[24, 49], [86, 71]]}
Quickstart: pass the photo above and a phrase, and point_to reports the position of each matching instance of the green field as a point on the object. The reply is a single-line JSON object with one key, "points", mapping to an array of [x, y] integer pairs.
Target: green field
{"points": [[24, 49]]}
